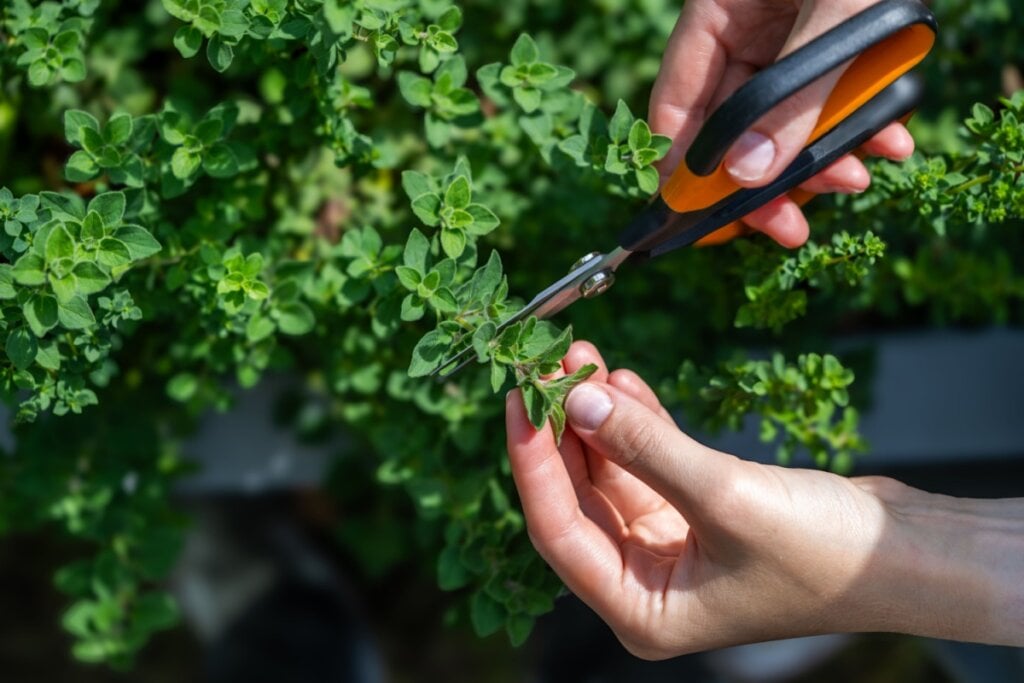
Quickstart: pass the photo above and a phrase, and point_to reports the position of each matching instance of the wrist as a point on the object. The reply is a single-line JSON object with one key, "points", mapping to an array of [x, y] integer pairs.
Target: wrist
{"points": [[954, 568]]}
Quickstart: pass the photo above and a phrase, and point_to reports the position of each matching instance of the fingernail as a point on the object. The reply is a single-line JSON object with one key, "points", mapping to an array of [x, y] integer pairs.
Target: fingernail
{"points": [[750, 157], [844, 189], [587, 406]]}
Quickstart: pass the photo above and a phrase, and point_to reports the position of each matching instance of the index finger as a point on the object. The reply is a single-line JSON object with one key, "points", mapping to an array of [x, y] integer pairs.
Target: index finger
{"points": [[690, 73], [584, 556]]}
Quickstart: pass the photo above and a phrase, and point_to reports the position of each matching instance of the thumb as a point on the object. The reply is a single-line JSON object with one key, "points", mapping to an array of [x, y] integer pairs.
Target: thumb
{"points": [[626, 432], [770, 145]]}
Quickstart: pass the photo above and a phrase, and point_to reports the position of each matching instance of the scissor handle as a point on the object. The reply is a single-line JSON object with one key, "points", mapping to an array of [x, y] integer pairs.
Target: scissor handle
{"points": [[887, 40]]}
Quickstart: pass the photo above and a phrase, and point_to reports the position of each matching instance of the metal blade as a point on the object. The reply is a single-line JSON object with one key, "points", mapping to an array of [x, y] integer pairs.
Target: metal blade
{"points": [[590, 276]]}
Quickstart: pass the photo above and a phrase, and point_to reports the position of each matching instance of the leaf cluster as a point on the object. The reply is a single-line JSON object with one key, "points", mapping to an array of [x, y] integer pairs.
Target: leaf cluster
{"points": [[802, 404]]}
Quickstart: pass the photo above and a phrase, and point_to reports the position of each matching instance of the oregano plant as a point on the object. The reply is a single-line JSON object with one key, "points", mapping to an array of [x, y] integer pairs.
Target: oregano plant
{"points": [[196, 193]]}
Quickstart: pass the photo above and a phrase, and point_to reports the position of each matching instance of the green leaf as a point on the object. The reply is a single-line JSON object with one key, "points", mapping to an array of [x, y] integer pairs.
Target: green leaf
{"points": [[527, 98], [518, 627], [63, 206], [233, 23], [35, 38], [486, 280], [458, 194], [497, 376], [75, 314], [524, 51], [453, 242], [73, 70], [64, 287], [417, 252], [438, 130], [647, 179], [644, 157], [39, 74], [28, 270], [252, 267], [575, 146], [537, 405], [482, 339], [451, 19], [188, 40], [459, 218], [426, 208], [541, 72], [129, 173], [614, 163], [41, 314], [21, 348], [295, 318], [484, 220], [544, 349], [661, 144], [48, 356], [444, 301], [182, 386], [209, 130], [59, 244], [431, 282], [92, 227], [66, 42], [110, 206], [455, 72], [429, 352], [91, 278], [620, 124], [415, 89], [451, 573], [259, 328], [413, 308], [185, 163], [155, 611], [220, 54], [639, 136], [486, 614], [7, 290], [219, 161], [408, 277], [416, 184], [173, 127], [80, 167], [92, 141], [74, 121], [442, 41], [113, 253], [118, 128], [140, 243]]}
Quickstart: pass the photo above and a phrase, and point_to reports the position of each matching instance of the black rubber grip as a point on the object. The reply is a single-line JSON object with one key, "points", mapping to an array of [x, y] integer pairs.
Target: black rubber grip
{"points": [[658, 229], [792, 73]]}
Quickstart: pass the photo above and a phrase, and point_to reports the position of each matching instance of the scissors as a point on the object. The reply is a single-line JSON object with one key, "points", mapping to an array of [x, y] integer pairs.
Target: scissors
{"points": [[700, 203]]}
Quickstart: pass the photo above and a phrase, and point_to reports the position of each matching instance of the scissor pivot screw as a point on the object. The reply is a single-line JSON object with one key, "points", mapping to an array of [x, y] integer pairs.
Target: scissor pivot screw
{"points": [[584, 260], [598, 283]]}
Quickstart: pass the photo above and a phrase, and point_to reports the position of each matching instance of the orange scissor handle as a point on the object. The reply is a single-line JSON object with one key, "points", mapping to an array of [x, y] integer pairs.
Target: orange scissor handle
{"points": [[885, 41]]}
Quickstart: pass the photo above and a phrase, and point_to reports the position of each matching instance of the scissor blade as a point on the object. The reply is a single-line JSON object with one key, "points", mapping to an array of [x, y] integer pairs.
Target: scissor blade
{"points": [[465, 356], [551, 301]]}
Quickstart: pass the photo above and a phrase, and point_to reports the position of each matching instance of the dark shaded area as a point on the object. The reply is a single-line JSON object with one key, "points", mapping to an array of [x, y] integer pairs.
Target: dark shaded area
{"points": [[333, 629], [34, 648]]}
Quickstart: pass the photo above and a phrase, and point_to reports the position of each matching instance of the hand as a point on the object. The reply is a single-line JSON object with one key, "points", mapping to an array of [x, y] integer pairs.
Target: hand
{"points": [[681, 548], [716, 46]]}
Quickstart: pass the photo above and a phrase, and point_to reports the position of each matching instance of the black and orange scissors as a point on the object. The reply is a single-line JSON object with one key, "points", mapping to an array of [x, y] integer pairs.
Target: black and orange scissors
{"points": [[700, 203]]}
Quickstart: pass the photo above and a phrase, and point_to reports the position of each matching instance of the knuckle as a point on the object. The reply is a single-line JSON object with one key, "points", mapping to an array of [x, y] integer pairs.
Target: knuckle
{"points": [[650, 647], [637, 443], [885, 488], [734, 498]]}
